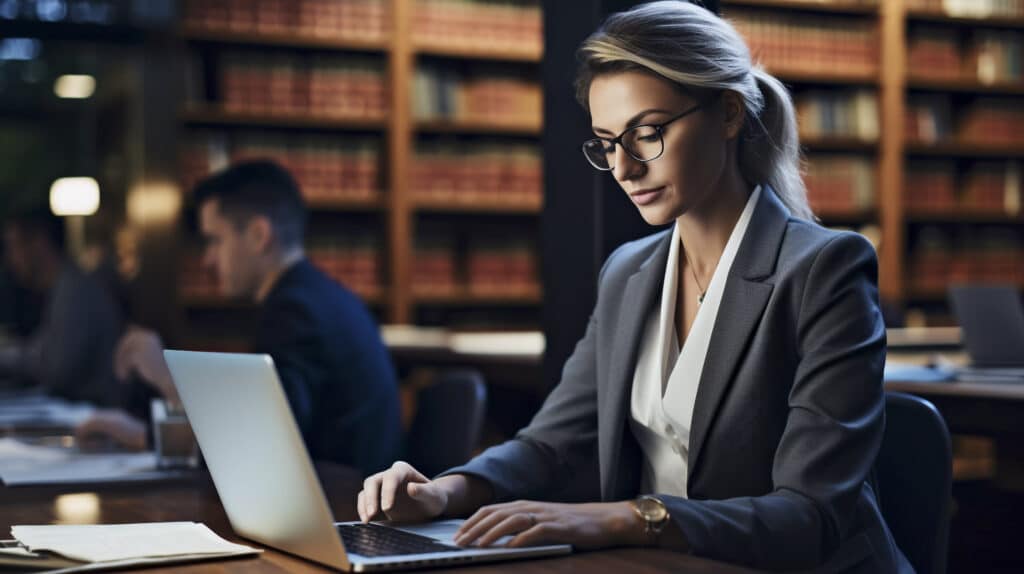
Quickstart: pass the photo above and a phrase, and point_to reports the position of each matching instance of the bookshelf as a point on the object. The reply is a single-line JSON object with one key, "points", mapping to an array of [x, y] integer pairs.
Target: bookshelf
{"points": [[294, 51], [946, 196]]}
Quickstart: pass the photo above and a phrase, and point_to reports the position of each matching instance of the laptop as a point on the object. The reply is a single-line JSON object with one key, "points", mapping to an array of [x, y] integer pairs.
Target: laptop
{"points": [[992, 320], [267, 485]]}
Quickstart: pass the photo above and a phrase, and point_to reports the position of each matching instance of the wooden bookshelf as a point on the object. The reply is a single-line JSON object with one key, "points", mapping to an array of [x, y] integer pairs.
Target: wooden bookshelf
{"points": [[962, 216], [956, 150], [282, 40], [479, 206], [496, 127], [277, 120], [839, 144], [467, 297], [847, 217], [986, 22], [812, 6], [966, 86], [479, 53], [833, 78], [397, 204]]}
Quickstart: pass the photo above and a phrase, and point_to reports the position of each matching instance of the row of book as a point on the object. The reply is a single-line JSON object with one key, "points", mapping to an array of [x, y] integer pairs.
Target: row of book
{"points": [[515, 25], [492, 268], [328, 86], [838, 113], [353, 261], [987, 186], [940, 258], [325, 167], [969, 8], [341, 19], [989, 56], [837, 183], [808, 43], [446, 94], [930, 119], [465, 174]]}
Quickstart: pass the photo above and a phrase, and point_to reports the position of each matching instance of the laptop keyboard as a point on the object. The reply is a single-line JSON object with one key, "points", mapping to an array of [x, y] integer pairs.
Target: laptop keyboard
{"points": [[372, 540]]}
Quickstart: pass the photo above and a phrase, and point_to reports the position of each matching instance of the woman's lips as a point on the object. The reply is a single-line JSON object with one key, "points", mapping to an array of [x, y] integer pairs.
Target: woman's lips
{"points": [[646, 196]]}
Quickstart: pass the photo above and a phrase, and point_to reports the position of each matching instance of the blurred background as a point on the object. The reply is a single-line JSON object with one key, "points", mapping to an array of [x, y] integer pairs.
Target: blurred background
{"points": [[437, 145]]}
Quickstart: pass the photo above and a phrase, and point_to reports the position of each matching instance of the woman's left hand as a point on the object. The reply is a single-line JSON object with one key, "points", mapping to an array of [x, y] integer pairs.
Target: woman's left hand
{"points": [[586, 526]]}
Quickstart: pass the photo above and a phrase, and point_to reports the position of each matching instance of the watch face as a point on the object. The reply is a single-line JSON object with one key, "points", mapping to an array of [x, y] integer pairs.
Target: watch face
{"points": [[652, 509]]}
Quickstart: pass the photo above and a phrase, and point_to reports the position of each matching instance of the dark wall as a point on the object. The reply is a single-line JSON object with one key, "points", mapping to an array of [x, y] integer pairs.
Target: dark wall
{"points": [[586, 214]]}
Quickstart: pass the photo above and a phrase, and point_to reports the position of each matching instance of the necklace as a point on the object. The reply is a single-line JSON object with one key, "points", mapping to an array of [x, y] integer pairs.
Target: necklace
{"points": [[693, 272]]}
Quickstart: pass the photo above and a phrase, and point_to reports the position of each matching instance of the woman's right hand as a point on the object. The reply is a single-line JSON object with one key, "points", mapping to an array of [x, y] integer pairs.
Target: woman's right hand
{"points": [[401, 493]]}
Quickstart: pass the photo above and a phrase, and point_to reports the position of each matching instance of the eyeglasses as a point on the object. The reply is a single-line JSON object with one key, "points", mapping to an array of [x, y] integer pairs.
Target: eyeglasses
{"points": [[642, 143]]}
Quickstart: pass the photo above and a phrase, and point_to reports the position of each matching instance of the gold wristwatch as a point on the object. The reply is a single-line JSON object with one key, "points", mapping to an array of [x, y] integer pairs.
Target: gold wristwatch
{"points": [[654, 514]]}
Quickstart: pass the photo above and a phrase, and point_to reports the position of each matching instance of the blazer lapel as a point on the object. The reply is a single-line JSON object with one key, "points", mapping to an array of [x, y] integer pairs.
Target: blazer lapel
{"points": [[637, 298], [743, 303]]}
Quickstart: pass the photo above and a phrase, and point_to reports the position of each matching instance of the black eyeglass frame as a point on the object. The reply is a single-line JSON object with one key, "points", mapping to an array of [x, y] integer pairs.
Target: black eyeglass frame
{"points": [[617, 140]]}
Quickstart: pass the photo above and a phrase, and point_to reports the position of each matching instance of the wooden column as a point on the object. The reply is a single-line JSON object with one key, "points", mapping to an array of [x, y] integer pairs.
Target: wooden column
{"points": [[400, 139], [890, 196]]}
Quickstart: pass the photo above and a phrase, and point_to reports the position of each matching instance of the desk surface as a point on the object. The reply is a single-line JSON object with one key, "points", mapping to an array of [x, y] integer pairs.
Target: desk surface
{"points": [[195, 499], [967, 389]]}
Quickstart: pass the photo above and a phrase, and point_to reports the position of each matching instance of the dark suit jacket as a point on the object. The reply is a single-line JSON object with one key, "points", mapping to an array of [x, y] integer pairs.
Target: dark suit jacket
{"points": [[335, 370], [788, 416]]}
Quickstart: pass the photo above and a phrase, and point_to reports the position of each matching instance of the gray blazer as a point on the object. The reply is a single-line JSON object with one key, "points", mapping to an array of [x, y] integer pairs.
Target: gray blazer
{"points": [[788, 416]]}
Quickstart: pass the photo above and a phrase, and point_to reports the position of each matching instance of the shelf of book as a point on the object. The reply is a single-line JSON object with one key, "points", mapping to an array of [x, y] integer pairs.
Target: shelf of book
{"points": [[934, 17], [479, 53], [227, 37], [344, 204], [213, 117], [838, 144], [813, 6], [847, 216], [966, 86], [483, 127]]}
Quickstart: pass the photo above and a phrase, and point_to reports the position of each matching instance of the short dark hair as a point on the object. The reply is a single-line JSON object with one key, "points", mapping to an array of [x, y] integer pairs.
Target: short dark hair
{"points": [[258, 187], [40, 223]]}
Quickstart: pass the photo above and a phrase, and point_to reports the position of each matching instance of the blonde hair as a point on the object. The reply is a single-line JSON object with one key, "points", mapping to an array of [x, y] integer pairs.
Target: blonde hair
{"points": [[700, 52]]}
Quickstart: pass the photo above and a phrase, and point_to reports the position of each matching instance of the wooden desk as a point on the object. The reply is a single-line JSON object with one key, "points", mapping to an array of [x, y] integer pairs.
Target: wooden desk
{"points": [[992, 409], [196, 500]]}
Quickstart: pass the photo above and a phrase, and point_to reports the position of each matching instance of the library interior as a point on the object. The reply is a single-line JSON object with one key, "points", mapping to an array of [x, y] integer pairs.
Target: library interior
{"points": [[394, 204]]}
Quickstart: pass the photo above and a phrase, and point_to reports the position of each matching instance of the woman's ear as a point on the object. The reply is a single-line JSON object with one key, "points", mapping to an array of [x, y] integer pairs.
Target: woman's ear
{"points": [[735, 113]]}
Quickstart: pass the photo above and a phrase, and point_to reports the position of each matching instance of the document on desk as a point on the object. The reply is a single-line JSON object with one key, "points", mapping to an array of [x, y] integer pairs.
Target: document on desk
{"points": [[102, 546], [33, 411], [25, 464]]}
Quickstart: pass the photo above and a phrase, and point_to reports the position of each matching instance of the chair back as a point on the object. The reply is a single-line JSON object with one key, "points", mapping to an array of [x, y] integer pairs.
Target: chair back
{"points": [[449, 418]]}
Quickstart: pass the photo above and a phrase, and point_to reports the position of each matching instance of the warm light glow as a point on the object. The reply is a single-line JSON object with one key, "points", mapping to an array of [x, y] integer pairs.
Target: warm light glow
{"points": [[74, 86], [82, 508], [154, 203], [74, 196]]}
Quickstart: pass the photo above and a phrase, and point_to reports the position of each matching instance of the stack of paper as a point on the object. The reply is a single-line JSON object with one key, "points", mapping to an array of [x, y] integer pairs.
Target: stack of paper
{"points": [[101, 547]]}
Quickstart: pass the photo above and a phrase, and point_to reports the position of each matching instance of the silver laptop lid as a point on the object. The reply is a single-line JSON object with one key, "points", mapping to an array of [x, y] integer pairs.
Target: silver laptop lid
{"points": [[255, 453]]}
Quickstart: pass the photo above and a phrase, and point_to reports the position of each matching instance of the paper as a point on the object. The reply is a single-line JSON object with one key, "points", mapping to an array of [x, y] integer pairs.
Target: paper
{"points": [[24, 464], [117, 542], [41, 411]]}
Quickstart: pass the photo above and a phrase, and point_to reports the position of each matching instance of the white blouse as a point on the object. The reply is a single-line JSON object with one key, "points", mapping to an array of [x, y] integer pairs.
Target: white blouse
{"points": [[666, 378]]}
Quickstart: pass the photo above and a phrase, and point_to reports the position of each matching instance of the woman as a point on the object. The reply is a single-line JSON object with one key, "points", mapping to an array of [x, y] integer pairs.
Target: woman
{"points": [[731, 373]]}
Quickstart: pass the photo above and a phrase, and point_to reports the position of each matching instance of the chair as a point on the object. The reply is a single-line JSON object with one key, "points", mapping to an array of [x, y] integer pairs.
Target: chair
{"points": [[914, 472], [448, 420]]}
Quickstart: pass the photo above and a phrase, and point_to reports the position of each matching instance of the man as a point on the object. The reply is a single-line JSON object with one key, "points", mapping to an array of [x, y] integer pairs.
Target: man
{"points": [[69, 353], [335, 370]]}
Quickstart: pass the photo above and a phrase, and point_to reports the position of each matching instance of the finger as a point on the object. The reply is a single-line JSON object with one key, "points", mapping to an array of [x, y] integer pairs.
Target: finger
{"points": [[485, 511], [389, 484], [359, 507], [541, 533], [472, 531], [513, 524], [371, 491]]}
